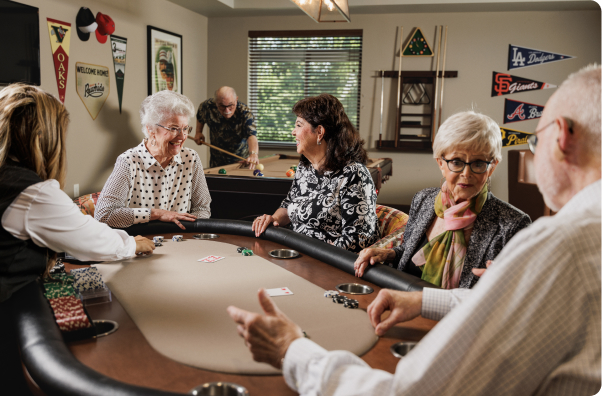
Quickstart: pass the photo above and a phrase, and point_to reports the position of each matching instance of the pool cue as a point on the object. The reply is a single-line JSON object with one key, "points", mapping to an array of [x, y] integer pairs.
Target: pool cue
{"points": [[442, 77], [397, 124], [382, 99], [434, 120], [222, 150]]}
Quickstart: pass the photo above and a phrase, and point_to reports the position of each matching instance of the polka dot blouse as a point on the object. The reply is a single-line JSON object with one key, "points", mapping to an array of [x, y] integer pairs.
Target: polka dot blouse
{"points": [[139, 183]]}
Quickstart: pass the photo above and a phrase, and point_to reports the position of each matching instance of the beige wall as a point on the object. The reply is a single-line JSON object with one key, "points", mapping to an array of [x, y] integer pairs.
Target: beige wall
{"points": [[93, 145], [477, 46]]}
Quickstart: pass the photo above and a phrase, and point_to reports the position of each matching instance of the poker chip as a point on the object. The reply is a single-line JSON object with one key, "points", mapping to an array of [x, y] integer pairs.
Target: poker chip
{"points": [[339, 299], [353, 304], [177, 238], [330, 293], [247, 252], [87, 279], [157, 244], [240, 249], [158, 239]]}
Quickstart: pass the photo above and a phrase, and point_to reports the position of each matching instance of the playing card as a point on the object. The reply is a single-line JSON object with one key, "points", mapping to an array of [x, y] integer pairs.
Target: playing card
{"points": [[211, 259], [280, 291]]}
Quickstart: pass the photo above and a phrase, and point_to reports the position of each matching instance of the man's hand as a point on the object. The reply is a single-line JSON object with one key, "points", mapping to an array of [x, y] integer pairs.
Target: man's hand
{"points": [[171, 217], [404, 306], [480, 271], [252, 160], [371, 256], [144, 245], [269, 336], [199, 138]]}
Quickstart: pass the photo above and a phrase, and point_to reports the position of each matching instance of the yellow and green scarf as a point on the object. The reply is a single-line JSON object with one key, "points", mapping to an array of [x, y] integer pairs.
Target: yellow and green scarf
{"points": [[442, 258]]}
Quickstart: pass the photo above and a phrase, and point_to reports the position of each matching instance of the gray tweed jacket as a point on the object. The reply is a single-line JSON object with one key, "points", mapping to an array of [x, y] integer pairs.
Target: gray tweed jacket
{"points": [[493, 228]]}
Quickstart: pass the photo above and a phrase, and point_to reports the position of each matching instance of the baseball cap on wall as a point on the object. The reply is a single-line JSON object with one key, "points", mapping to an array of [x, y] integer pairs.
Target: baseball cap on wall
{"points": [[106, 27], [85, 23]]}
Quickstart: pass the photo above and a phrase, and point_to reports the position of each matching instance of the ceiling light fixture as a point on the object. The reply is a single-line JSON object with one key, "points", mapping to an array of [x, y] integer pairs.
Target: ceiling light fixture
{"points": [[325, 10]]}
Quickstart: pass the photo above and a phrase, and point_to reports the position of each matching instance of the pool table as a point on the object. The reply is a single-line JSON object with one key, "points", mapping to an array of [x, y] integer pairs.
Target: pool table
{"points": [[264, 194], [125, 363]]}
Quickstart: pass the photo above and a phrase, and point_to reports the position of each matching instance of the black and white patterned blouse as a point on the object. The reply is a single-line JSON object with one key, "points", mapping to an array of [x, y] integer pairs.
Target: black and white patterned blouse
{"points": [[337, 207], [139, 183]]}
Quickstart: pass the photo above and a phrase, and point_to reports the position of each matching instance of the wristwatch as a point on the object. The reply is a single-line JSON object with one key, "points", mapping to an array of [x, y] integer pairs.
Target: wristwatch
{"points": [[254, 153]]}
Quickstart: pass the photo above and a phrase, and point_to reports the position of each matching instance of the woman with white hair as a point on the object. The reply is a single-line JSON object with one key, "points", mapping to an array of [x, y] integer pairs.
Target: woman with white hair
{"points": [[460, 226], [159, 179]]}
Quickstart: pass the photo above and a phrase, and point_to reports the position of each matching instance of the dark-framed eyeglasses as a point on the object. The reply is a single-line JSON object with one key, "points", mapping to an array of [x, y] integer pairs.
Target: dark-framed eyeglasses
{"points": [[174, 131], [230, 106], [532, 139], [457, 166]]}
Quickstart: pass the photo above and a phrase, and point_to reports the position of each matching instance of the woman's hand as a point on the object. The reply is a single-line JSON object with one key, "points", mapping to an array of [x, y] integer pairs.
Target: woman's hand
{"points": [[268, 336], [171, 217], [371, 256], [144, 245], [261, 223]]}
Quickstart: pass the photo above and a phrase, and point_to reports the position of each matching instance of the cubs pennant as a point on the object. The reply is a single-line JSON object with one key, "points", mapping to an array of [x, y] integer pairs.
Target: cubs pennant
{"points": [[60, 37], [520, 111], [512, 137], [505, 84], [524, 57]]}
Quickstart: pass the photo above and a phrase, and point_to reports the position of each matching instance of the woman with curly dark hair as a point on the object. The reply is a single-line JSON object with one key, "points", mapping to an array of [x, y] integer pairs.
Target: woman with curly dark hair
{"points": [[332, 197]]}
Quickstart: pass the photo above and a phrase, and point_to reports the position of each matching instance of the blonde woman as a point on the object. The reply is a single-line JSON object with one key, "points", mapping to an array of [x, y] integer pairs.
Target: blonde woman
{"points": [[461, 225], [38, 218]]}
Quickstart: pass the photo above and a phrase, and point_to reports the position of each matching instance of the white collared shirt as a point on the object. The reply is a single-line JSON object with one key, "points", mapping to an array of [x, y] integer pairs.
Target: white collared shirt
{"points": [[531, 325], [47, 216], [139, 183]]}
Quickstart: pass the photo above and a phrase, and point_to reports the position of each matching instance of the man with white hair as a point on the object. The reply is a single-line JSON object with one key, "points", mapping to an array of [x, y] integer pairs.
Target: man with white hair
{"points": [[231, 127], [531, 326]]}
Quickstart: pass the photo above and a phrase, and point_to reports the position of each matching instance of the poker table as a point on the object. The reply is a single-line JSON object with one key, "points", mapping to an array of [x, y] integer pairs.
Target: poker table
{"points": [[125, 363], [238, 194]]}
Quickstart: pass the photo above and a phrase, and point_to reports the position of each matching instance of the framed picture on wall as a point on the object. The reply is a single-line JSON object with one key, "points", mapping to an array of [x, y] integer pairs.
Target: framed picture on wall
{"points": [[164, 51]]}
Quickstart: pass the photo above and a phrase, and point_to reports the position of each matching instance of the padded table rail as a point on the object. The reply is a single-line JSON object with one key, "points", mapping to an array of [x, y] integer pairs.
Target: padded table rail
{"points": [[57, 372]]}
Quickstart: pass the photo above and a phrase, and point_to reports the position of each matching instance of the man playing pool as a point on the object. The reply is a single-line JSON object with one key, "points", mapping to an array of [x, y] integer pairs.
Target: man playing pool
{"points": [[231, 128], [532, 323]]}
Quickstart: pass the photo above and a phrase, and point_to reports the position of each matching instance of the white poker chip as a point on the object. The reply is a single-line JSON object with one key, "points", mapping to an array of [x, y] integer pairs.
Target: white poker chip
{"points": [[330, 293]]}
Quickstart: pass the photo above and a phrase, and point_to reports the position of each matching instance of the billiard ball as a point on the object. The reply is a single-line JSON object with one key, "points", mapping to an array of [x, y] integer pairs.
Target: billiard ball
{"points": [[222, 171], [260, 167], [290, 173], [256, 171]]}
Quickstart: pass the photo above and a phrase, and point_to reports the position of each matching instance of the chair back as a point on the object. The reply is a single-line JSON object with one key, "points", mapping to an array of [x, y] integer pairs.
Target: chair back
{"points": [[392, 224]]}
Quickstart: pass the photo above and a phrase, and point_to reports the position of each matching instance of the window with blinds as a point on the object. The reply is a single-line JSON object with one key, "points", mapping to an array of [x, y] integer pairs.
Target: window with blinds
{"points": [[287, 66]]}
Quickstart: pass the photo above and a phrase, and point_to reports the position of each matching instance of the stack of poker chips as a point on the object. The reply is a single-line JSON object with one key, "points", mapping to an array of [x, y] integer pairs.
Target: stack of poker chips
{"points": [[68, 310], [87, 279], [177, 238], [346, 301], [245, 251], [158, 240]]}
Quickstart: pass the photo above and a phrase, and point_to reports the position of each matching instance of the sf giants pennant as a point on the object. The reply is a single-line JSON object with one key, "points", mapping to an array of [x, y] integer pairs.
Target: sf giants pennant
{"points": [[60, 37], [520, 111], [512, 137], [523, 57], [505, 84]]}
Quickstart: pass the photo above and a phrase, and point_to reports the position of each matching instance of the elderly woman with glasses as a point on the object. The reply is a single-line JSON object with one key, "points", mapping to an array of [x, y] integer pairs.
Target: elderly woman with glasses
{"points": [[159, 179], [460, 226]]}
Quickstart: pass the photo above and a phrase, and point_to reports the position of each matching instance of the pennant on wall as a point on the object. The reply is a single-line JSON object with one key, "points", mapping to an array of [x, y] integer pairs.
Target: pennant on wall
{"points": [[505, 84], [92, 86], [118, 47], [524, 57], [60, 37], [417, 46], [520, 111], [512, 137]]}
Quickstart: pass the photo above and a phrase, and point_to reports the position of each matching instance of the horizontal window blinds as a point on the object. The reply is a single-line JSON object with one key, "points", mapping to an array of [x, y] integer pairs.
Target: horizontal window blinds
{"points": [[285, 68]]}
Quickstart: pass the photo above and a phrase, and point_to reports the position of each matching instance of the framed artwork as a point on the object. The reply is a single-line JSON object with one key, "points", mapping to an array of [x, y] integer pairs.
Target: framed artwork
{"points": [[164, 51]]}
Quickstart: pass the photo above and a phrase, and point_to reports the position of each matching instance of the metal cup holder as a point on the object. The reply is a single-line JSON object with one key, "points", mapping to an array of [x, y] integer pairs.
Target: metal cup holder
{"points": [[105, 327], [354, 288], [219, 389], [401, 349], [284, 253]]}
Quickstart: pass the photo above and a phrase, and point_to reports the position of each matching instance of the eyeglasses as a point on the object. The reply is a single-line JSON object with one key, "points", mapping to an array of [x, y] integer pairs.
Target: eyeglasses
{"points": [[457, 166], [175, 131], [532, 139], [230, 106]]}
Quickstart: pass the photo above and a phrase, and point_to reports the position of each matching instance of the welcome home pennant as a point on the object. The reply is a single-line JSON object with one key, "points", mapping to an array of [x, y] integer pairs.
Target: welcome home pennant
{"points": [[92, 86], [515, 111], [60, 38], [505, 84]]}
